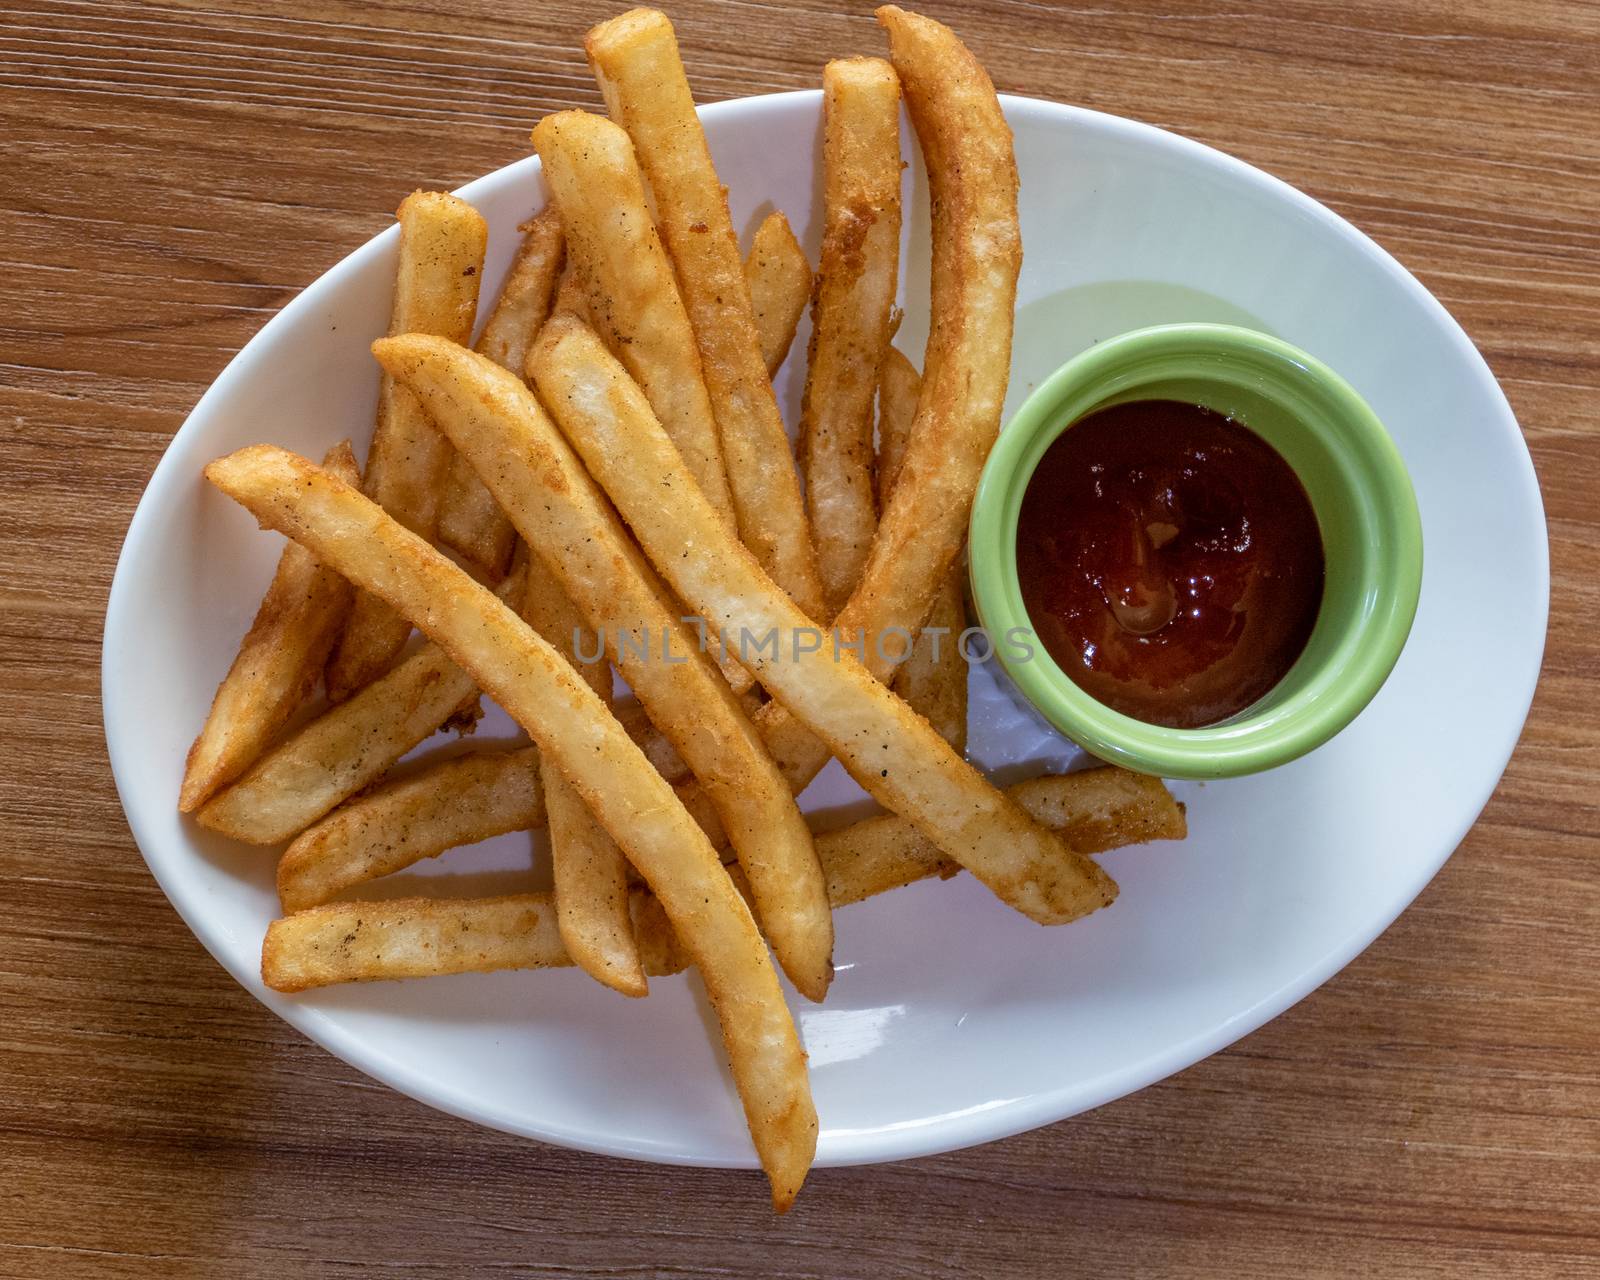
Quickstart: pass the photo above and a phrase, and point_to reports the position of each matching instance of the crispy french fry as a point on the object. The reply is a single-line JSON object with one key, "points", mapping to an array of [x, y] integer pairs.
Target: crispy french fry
{"points": [[411, 938], [496, 423], [977, 252], [1091, 811], [933, 680], [572, 296], [348, 747], [442, 242], [635, 60], [1104, 808], [469, 520], [430, 937], [850, 313], [278, 664], [471, 525], [457, 801], [889, 750], [633, 298], [660, 752], [779, 279], [577, 735], [591, 873], [1094, 810], [528, 293], [899, 387]]}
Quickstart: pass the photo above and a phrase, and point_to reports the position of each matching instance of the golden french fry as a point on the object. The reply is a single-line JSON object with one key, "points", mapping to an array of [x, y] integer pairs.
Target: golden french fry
{"points": [[442, 242], [633, 298], [591, 873], [1094, 810], [496, 423], [1103, 808], [348, 747], [471, 525], [410, 938], [577, 735], [899, 387], [635, 60], [888, 749], [977, 252], [526, 297], [850, 313], [1091, 811], [655, 745], [933, 680], [458, 801], [278, 664], [779, 279], [572, 296], [470, 522], [430, 937]]}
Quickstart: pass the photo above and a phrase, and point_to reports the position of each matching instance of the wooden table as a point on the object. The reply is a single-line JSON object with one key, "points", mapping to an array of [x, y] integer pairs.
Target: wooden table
{"points": [[173, 174]]}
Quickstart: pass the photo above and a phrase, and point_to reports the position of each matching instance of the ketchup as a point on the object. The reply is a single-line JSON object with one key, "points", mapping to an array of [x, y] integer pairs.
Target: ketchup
{"points": [[1170, 561]]}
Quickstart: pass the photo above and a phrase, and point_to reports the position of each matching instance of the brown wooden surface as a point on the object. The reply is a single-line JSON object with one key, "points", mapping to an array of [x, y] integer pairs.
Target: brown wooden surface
{"points": [[171, 174]]}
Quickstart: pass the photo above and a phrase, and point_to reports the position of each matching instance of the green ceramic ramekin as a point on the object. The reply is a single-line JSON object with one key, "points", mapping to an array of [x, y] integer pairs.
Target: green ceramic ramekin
{"points": [[1358, 486]]}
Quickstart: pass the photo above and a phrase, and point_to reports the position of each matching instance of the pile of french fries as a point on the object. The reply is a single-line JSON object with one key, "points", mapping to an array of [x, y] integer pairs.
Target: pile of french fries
{"points": [[609, 460]]}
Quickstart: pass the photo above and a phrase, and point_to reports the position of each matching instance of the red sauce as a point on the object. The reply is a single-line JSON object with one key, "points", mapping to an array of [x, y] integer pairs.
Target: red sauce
{"points": [[1170, 561]]}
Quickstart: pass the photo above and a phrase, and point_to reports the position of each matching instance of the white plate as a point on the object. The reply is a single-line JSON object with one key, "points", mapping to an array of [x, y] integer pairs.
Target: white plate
{"points": [[952, 1020]]}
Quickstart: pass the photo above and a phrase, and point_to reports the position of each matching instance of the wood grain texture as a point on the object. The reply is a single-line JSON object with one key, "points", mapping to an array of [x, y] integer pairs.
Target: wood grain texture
{"points": [[172, 173]]}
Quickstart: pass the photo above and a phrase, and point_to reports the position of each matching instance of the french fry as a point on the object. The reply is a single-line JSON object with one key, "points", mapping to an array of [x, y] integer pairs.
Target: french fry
{"points": [[576, 734], [471, 525], [411, 938], [1091, 811], [633, 298], [899, 388], [657, 749], [528, 293], [572, 296], [496, 423], [1095, 810], [457, 801], [635, 60], [933, 680], [977, 252], [278, 664], [779, 279], [890, 751], [442, 242], [1104, 808], [850, 314], [348, 747], [469, 520], [429, 937], [591, 873]]}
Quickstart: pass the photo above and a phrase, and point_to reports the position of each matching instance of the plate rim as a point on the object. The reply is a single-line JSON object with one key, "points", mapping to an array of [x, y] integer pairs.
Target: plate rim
{"points": [[935, 1134]]}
